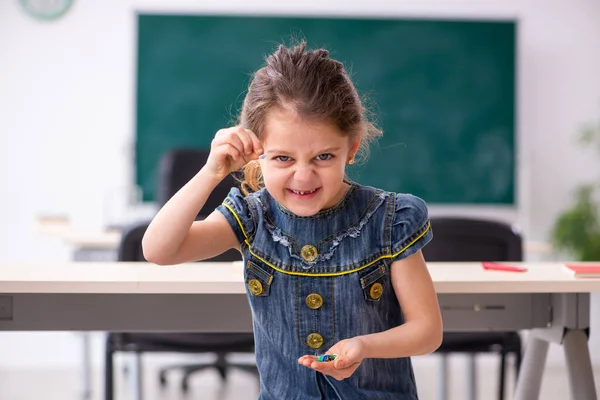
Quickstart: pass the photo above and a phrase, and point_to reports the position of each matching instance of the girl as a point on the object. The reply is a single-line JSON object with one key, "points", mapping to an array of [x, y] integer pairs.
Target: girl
{"points": [[331, 266]]}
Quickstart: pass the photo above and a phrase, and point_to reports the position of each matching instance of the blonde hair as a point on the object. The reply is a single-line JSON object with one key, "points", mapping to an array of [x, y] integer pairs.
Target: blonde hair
{"points": [[315, 86]]}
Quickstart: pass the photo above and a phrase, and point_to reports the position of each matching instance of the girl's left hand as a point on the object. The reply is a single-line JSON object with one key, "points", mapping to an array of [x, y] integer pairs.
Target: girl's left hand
{"points": [[350, 355]]}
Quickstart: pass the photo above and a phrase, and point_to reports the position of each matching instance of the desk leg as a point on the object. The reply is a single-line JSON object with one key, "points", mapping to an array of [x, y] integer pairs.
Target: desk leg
{"points": [[443, 378], [532, 369], [86, 367], [472, 373], [569, 326], [137, 377], [579, 366], [89, 254]]}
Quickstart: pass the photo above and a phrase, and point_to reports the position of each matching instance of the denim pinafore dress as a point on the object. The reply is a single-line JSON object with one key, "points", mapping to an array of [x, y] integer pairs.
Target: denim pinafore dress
{"points": [[313, 281]]}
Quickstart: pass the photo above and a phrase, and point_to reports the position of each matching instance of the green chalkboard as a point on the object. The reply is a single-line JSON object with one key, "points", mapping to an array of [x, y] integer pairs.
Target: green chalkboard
{"points": [[443, 92]]}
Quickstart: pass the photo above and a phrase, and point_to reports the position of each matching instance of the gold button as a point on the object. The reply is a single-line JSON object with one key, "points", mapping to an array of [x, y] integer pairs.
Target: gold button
{"points": [[309, 252], [376, 290], [314, 301], [255, 287], [314, 340]]}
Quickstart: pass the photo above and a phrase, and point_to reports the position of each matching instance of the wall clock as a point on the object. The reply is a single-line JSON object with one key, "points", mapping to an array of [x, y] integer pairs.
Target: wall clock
{"points": [[46, 9]]}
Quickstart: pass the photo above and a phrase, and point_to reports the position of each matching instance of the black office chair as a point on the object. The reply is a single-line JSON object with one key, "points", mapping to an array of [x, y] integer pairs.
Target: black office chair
{"points": [[176, 168], [462, 239], [220, 344]]}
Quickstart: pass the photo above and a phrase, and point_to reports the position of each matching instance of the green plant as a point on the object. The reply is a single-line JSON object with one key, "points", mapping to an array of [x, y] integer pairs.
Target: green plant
{"points": [[577, 229]]}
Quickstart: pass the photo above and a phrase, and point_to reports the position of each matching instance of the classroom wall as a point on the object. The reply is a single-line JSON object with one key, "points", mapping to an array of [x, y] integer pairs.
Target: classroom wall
{"points": [[67, 114]]}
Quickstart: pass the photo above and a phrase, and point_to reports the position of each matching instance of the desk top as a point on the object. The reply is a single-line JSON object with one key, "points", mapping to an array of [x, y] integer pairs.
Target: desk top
{"points": [[227, 278]]}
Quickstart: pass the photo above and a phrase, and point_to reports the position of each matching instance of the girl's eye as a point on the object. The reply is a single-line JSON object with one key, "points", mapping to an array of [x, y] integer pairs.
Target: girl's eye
{"points": [[283, 158], [324, 157]]}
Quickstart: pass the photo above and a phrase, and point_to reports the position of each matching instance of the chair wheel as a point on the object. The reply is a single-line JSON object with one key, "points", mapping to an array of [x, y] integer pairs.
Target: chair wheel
{"points": [[162, 379]]}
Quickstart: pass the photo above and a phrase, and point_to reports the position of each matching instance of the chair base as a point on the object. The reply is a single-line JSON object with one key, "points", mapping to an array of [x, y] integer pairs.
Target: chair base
{"points": [[220, 364]]}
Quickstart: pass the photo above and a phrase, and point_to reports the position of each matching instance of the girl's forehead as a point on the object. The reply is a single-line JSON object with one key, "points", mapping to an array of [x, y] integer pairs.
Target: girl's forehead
{"points": [[297, 140], [287, 131]]}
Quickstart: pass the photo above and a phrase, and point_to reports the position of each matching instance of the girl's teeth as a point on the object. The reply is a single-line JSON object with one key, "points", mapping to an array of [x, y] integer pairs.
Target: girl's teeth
{"points": [[301, 193]]}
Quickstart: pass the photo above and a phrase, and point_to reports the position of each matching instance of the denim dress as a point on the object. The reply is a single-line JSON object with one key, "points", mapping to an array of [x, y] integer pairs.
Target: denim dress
{"points": [[313, 281]]}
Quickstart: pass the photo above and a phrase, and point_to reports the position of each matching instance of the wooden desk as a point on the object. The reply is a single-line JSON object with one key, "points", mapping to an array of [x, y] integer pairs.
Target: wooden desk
{"points": [[211, 297]]}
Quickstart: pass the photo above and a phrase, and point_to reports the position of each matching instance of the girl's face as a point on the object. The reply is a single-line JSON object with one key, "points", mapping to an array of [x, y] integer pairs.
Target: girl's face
{"points": [[304, 163]]}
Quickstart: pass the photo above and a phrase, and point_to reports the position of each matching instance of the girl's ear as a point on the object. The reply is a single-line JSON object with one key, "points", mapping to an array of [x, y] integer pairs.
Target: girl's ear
{"points": [[354, 146]]}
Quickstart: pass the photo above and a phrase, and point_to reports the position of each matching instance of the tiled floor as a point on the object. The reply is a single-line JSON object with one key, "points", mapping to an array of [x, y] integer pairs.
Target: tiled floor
{"points": [[64, 384]]}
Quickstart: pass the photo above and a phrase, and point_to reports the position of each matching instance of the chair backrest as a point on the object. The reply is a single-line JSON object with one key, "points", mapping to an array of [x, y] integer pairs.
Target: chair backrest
{"points": [[130, 246], [464, 239], [177, 167]]}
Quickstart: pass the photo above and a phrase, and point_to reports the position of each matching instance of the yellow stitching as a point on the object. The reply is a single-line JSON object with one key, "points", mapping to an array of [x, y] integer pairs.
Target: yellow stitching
{"points": [[298, 312], [237, 219], [413, 242], [344, 272], [332, 310]]}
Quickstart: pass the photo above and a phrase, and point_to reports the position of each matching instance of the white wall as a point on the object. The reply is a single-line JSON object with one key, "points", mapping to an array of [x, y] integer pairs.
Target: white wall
{"points": [[66, 115]]}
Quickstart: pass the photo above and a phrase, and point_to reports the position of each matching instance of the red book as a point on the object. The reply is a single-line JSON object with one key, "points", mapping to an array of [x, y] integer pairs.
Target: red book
{"points": [[492, 266], [583, 270]]}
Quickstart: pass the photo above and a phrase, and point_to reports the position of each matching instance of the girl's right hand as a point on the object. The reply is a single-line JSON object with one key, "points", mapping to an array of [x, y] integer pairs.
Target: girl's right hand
{"points": [[231, 149]]}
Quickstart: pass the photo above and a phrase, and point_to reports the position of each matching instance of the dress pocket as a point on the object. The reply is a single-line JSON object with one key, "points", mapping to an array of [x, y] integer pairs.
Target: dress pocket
{"points": [[372, 281], [258, 279]]}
